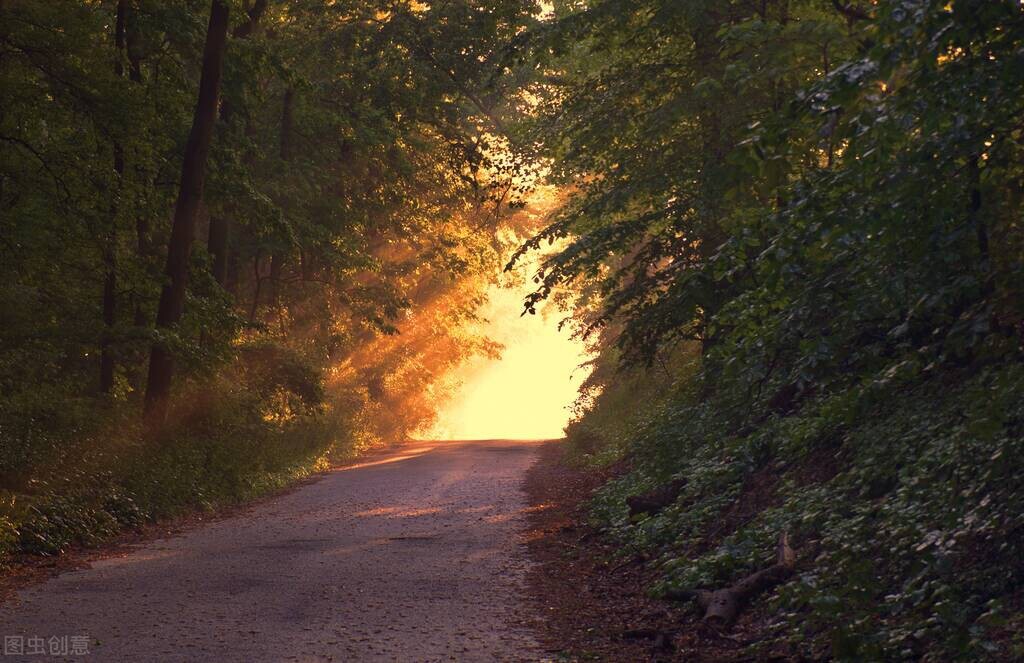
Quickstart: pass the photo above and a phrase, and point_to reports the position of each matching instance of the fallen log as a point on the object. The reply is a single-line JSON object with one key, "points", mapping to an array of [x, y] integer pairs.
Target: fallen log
{"points": [[722, 606], [655, 500]]}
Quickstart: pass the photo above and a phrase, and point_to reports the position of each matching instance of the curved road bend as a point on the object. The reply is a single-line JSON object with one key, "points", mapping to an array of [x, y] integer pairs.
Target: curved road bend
{"points": [[408, 557]]}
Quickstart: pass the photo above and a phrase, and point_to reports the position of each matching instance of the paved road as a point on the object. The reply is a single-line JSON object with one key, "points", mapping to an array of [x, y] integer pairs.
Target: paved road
{"points": [[408, 557]]}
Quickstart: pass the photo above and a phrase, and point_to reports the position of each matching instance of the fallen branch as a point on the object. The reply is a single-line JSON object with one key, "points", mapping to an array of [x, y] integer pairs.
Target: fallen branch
{"points": [[722, 606]]}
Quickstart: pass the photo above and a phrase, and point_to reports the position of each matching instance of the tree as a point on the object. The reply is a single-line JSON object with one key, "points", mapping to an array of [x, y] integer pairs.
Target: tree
{"points": [[190, 194], [641, 116]]}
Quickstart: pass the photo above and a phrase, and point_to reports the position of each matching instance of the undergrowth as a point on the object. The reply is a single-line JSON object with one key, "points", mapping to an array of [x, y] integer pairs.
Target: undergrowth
{"points": [[255, 427], [900, 496]]}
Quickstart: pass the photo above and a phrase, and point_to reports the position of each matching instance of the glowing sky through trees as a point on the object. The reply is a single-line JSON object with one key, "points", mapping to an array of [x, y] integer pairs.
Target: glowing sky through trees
{"points": [[527, 392]]}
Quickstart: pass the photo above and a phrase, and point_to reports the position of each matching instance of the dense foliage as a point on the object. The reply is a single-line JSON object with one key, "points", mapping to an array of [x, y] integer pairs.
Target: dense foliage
{"points": [[351, 192], [802, 220]]}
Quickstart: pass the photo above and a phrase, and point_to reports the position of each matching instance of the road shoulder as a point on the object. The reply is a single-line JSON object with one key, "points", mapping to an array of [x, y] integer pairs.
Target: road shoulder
{"points": [[589, 605]]}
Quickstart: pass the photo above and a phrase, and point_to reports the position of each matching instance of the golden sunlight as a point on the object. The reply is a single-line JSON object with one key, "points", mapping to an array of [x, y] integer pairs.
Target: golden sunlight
{"points": [[527, 393]]}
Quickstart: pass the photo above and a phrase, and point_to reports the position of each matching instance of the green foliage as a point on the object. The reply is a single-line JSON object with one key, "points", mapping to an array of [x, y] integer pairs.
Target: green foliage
{"points": [[354, 189], [352, 172], [907, 523], [827, 198], [613, 402]]}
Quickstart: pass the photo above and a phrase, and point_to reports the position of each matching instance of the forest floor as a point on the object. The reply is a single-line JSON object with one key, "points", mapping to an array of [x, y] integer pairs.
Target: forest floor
{"points": [[411, 555], [594, 605]]}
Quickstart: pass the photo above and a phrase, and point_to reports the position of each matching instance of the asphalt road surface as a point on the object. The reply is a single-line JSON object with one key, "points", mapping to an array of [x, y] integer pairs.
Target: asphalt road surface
{"points": [[412, 556]]}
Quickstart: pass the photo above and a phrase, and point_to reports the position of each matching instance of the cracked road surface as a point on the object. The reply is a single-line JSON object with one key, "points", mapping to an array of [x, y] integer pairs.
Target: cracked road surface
{"points": [[411, 556]]}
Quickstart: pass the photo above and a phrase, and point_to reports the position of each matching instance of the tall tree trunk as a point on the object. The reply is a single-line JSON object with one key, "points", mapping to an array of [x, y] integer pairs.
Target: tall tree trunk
{"points": [[190, 193], [143, 245], [218, 241], [706, 49], [107, 364]]}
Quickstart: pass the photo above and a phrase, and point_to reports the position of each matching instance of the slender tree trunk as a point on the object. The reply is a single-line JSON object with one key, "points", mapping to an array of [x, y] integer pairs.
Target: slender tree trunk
{"points": [[287, 124], [276, 264], [143, 248], [278, 257], [142, 243], [706, 45], [256, 291], [218, 241], [107, 363], [190, 193], [217, 245]]}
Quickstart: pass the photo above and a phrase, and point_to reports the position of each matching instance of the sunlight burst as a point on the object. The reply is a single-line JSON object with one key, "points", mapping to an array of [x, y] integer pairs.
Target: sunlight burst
{"points": [[527, 393]]}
